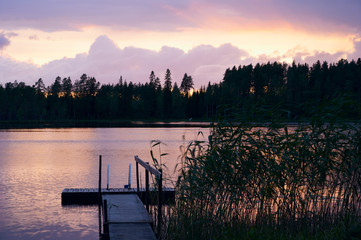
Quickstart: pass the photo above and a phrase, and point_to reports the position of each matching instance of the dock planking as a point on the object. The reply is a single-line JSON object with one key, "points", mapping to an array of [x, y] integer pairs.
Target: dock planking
{"points": [[127, 217], [131, 231]]}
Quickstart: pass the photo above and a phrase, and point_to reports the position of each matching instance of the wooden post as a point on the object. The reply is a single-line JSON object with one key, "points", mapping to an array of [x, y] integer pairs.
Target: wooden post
{"points": [[130, 177], [105, 224], [147, 189], [100, 179], [100, 218], [107, 176], [137, 174], [160, 200]]}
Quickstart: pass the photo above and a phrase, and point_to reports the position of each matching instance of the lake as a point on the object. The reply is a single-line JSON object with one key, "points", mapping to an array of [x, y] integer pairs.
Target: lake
{"points": [[37, 164]]}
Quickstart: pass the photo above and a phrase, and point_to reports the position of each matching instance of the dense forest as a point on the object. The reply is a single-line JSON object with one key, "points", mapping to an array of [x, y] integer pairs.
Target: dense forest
{"points": [[257, 93]]}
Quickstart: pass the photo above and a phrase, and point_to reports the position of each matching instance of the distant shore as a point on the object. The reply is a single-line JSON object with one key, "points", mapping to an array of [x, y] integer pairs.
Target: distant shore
{"points": [[100, 124], [135, 124]]}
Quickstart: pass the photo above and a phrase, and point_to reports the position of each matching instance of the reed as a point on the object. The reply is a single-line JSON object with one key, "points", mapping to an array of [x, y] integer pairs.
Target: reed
{"points": [[275, 182]]}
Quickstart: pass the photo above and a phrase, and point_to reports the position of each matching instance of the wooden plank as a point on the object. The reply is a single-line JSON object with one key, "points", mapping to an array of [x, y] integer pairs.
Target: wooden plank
{"points": [[126, 208], [147, 166], [127, 217], [131, 231]]}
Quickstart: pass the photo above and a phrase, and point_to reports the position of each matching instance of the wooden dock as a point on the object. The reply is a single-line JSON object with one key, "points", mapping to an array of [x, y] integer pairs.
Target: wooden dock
{"points": [[125, 217], [125, 210]]}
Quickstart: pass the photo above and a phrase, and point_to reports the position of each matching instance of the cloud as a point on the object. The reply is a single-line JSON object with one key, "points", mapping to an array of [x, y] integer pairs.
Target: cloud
{"points": [[12, 70], [33, 37], [107, 62], [357, 52], [11, 34], [323, 56], [4, 41], [302, 55]]}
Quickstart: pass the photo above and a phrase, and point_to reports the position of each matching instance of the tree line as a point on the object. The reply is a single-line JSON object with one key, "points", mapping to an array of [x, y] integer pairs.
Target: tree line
{"points": [[294, 92], [257, 93]]}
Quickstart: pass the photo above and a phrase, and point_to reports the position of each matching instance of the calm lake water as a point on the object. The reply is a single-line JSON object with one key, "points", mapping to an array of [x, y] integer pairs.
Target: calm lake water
{"points": [[37, 164]]}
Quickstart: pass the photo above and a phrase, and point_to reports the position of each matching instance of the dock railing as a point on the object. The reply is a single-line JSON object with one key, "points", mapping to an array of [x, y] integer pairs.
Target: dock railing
{"points": [[159, 176]]}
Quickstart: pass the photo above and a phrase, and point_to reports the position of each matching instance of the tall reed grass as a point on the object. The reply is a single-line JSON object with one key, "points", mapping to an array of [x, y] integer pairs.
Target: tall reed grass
{"points": [[275, 182]]}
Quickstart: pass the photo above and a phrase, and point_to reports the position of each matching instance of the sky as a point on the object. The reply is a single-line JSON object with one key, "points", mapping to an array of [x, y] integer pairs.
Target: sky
{"points": [[107, 39]]}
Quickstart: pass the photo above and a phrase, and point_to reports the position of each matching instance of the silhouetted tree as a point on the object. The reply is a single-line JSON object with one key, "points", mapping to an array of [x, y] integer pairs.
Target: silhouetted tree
{"points": [[67, 86], [168, 80], [80, 86], [152, 82], [40, 86], [167, 95], [157, 83], [187, 83], [55, 88], [92, 86], [178, 102]]}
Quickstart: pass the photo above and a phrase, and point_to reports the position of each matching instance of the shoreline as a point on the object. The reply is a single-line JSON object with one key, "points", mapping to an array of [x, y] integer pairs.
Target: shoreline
{"points": [[135, 124], [100, 124]]}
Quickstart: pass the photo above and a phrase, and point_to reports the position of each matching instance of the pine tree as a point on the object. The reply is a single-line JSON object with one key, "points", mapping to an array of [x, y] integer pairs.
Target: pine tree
{"points": [[67, 86], [152, 79], [168, 80], [56, 86], [92, 86], [40, 86], [157, 83], [187, 83], [167, 95]]}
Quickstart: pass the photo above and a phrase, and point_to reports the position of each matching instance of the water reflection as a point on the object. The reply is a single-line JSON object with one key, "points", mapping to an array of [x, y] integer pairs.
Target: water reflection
{"points": [[37, 164]]}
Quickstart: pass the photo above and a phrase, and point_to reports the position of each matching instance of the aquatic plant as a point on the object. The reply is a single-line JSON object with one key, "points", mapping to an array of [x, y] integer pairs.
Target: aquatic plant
{"points": [[278, 181]]}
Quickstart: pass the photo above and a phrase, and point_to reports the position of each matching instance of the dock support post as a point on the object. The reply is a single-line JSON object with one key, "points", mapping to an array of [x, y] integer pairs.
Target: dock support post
{"points": [[147, 188], [100, 218], [107, 176], [137, 175], [105, 224], [100, 179], [160, 200], [130, 177]]}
